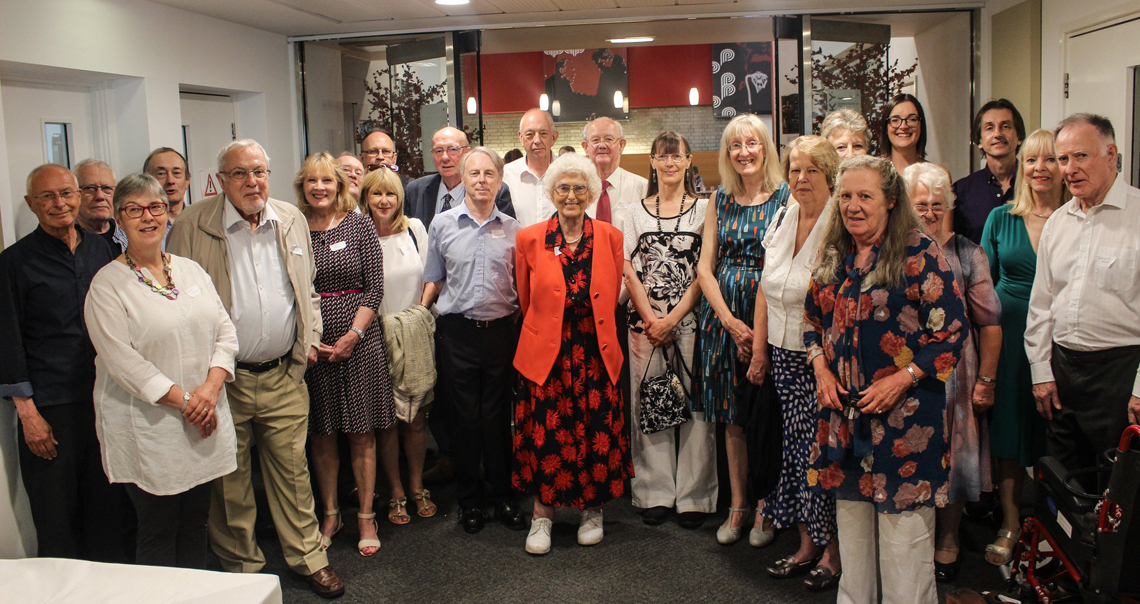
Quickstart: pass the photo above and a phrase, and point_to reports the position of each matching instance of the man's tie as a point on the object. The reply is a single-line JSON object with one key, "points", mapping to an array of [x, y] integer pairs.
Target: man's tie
{"points": [[446, 202], [603, 212]]}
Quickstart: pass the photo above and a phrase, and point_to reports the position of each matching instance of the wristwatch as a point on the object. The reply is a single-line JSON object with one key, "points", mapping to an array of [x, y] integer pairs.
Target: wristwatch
{"points": [[359, 331], [986, 380], [185, 400], [913, 376]]}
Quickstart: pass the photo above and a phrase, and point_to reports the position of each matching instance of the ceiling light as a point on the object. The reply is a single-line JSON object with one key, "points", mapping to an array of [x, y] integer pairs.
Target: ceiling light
{"points": [[543, 102], [453, 2], [556, 108], [632, 40]]}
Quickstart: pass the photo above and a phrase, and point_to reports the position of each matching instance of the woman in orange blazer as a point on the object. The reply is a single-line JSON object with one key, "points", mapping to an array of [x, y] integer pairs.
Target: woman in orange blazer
{"points": [[570, 446]]}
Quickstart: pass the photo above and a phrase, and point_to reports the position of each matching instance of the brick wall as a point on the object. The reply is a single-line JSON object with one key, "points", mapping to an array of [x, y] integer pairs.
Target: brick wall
{"points": [[696, 124]]}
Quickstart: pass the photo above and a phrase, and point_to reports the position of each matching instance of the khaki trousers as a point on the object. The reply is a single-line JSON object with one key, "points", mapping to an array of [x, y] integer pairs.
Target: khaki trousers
{"points": [[271, 410], [897, 549]]}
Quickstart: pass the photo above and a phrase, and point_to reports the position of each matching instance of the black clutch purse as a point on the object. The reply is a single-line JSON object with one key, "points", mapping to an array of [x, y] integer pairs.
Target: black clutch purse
{"points": [[664, 399]]}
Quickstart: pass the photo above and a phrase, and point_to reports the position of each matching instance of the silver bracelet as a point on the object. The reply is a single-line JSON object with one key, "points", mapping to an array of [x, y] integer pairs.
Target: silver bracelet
{"points": [[185, 400], [913, 376], [359, 331], [986, 380]]}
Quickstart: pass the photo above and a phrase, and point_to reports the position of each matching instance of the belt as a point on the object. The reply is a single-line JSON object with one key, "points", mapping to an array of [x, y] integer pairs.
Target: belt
{"points": [[1098, 356], [480, 324], [263, 366], [340, 293]]}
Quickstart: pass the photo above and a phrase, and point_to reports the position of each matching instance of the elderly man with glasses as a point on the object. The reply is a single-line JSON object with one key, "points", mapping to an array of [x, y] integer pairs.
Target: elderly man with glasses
{"points": [[47, 369], [424, 197], [96, 188], [258, 253]]}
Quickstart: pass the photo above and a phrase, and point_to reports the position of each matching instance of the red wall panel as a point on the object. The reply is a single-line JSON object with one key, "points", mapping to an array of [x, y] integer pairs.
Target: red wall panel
{"points": [[512, 82]]}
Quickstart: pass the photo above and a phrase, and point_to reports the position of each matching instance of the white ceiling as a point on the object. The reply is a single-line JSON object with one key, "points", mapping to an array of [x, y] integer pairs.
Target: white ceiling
{"points": [[333, 17]]}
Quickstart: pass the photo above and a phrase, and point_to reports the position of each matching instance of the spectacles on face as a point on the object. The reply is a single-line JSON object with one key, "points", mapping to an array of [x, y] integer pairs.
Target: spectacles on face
{"points": [[452, 150], [161, 174], [51, 196], [665, 158], [351, 171], [936, 207], [564, 190], [375, 152], [90, 189], [156, 209], [752, 146], [597, 140], [241, 174], [897, 121]]}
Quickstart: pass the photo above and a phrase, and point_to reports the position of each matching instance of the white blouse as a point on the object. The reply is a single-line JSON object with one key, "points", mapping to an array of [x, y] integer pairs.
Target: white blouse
{"points": [[787, 275], [404, 267], [145, 344]]}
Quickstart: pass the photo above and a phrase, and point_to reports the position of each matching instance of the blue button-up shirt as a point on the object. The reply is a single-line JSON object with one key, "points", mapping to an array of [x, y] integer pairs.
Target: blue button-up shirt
{"points": [[978, 194], [475, 262]]}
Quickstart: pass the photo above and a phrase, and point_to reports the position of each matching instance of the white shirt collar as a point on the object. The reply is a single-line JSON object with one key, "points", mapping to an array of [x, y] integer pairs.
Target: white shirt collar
{"points": [[232, 217]]}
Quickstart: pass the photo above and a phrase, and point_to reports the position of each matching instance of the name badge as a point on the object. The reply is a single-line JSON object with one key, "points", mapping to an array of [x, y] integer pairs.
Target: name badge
{"points": [[498, 234], [297, 251], [193, 291], [1104, 261], [338, 246]]}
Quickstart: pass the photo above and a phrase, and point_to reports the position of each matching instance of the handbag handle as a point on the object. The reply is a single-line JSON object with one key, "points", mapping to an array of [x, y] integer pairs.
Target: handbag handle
{"points": [[648, 363]]}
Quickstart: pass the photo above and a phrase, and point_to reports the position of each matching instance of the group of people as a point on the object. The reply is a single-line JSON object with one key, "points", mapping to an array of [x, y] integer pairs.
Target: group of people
{"points": [[881, 343]]}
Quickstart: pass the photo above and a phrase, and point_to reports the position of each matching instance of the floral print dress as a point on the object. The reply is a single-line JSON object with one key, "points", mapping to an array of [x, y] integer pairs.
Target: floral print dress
{"points": [[570, 444], [899, 460]]}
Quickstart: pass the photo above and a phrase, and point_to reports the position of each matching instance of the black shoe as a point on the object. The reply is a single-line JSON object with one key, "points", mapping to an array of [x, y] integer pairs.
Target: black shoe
{"points": [[511, 515], [655, 515], [821, 579], [691, 520], [946, 573], [472, 520], [788, 567]]}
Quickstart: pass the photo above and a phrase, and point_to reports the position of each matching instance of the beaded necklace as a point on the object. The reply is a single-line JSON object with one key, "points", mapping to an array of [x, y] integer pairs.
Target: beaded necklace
{"points": [[170, 292]]}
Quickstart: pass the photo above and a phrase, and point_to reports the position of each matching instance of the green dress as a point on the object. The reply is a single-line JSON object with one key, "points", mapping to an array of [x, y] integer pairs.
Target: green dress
{"points": [[740, 259], [1017, 431]]}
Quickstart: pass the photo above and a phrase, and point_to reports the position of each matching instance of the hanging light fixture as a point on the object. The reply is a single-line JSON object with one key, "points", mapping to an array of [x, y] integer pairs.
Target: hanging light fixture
{"points": [[472, 106], [618, 98], [694, 96], [625, 105], [543, 102], [556, 108]]}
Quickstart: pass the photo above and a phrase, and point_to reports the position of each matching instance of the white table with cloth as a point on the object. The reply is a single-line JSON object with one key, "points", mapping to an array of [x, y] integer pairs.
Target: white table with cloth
{"points": [[59, 581]]}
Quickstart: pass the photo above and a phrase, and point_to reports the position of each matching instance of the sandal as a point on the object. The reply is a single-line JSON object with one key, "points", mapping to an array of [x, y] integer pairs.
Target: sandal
{"points": [[398, 513], [424, 508], [326, 541], [364, 544], [728, 534], [1005, 553]]}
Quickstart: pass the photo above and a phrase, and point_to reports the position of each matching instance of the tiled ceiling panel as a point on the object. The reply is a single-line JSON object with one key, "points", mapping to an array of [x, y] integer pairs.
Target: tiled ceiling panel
{"points": [[585, 4], [525, 6]]}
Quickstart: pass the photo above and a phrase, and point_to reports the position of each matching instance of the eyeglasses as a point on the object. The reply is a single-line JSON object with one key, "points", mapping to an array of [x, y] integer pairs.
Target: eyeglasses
{"points": [[375, 152], [452, 150], [161, 174], [241, 174], [896, 121], [156, 209], [349, 171], [666, 157], [923, 208], [578, 190], [107, 190], [609, 141], [752, 146], [51, 196]]}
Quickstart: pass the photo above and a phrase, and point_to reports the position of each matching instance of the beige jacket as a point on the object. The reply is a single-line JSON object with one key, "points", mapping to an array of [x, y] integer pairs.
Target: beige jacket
{"points": [[409, 336], [199, 234]]}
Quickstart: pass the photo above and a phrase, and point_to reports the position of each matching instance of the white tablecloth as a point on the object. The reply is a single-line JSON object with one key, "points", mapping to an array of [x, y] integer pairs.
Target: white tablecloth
{"points": [[59, 581]]}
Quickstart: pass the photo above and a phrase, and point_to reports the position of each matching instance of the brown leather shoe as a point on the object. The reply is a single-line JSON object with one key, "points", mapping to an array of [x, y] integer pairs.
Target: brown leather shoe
{"points": [[326, 584]]}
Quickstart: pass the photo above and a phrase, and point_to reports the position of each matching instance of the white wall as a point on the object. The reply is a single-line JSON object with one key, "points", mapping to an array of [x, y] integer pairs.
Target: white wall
{"points": [[944, 89], [325, 96], [147, 52]]}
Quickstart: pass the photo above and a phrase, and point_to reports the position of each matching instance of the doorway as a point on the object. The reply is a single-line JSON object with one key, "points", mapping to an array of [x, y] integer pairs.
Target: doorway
{"points": [[207, 126]]}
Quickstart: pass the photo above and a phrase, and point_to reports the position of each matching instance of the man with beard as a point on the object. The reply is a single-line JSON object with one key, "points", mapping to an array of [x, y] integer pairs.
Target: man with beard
{"points": [[998, 131]]}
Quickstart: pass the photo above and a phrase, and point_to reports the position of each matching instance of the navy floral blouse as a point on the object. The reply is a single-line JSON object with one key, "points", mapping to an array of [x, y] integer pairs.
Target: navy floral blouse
{"points": [[898, 460]]}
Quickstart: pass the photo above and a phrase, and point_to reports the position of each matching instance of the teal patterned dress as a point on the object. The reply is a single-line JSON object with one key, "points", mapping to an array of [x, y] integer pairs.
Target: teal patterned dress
{"points": [[740, 259]]}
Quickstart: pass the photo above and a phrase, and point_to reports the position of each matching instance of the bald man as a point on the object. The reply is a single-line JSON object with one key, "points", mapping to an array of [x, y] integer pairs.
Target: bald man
{"points": [[377, 150], [435, 193], [603, 140], [524, 175]]}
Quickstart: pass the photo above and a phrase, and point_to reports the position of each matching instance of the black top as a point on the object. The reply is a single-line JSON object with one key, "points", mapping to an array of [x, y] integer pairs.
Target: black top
{"points": [[44, 349], [978, 194]]}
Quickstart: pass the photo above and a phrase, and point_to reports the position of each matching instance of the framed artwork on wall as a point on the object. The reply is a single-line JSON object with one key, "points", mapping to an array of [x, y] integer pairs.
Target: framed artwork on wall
{"points": [[742, 78]]}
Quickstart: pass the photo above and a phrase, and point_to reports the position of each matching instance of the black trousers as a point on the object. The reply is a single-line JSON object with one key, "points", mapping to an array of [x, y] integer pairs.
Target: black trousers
{"points": [[78, 513], [478, 372], [1094, 388], [172, 528]]}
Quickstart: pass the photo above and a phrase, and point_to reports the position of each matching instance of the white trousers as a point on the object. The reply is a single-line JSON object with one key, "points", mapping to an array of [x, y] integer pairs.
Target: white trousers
{"points": [[676, 467], [904, 544]]}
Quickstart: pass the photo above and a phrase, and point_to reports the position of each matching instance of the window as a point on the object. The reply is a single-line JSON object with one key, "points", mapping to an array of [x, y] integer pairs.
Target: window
{"points": [[56, 143]]}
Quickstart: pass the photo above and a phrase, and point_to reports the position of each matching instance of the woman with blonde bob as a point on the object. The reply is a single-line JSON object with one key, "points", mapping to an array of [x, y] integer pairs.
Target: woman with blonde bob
{"points": [[404, 242], [1010, 241], [848, 132], [729, 271], [883, 327], [349, 388]]}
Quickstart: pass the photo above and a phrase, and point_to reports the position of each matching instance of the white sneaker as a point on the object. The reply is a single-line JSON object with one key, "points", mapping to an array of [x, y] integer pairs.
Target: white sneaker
{"points": [[590, 530], [538, 540]]}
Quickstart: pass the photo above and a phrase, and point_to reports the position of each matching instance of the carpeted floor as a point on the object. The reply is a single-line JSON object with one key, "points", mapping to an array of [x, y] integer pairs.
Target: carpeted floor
{"points": [[433, 560]]}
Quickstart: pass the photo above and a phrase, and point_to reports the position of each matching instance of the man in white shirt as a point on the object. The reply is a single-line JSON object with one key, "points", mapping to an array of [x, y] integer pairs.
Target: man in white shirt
{"points": [[258, 254], [1082, 334], [603, 140], [524, 175]]}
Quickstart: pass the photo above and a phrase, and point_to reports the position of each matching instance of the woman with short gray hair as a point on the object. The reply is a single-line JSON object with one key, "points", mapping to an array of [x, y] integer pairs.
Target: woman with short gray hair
{"points": [[848, 132], [165, 349]]}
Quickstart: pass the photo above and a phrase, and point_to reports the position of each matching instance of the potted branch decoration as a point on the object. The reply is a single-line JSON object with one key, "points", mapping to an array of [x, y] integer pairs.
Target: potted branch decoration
{"points": [[396, 97]]}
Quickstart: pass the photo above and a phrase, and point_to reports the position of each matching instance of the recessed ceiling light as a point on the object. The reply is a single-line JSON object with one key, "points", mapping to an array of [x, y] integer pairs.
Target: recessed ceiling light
{"points": [[453, 2], [633, 40]]}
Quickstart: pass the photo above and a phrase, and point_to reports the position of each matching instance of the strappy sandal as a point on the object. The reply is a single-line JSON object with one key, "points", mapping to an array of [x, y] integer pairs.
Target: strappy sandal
{"points": [[424, 506], [728, 534], [368, 543], [397, 511], [326, 542], [1006, 553]]}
